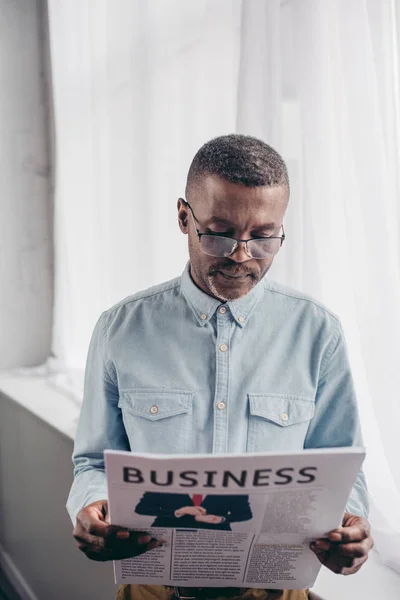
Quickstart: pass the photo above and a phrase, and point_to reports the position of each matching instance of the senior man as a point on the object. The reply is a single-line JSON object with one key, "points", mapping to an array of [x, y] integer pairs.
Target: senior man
{"points": [[218, 360]]}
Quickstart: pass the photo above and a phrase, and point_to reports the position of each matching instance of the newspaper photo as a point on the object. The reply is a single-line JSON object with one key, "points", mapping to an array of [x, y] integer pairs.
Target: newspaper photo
{"points": [[229, 520]]}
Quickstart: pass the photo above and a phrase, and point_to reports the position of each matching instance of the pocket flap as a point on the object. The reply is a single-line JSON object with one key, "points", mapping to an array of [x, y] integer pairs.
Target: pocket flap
{"points": [[282, 410], [155, 403]]}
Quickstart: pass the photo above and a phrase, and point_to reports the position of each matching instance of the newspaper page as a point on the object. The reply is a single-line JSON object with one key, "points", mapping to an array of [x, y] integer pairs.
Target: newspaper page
{"points": [[229, 520]]}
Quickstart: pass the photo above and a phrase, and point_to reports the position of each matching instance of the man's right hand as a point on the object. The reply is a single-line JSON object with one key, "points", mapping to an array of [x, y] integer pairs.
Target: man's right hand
{"points": [[101, 541], [194, 511]]}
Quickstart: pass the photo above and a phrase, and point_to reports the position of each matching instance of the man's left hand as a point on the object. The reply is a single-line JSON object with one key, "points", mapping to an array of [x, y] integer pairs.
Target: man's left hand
{"points": [[345, 549], [214, 519]]}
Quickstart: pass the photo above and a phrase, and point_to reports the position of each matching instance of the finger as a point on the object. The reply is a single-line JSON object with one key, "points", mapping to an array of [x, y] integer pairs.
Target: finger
{"points": [[88, 548], [337, 562], [117, 538], [353, 533], [92, 523], [98, 556], [125, 549], [202, 510], [322, 544], [357, 549], [97, 522], [150, 546], [131, 550], [357, 567], [329, 551], [90, 540], [343, 565]]}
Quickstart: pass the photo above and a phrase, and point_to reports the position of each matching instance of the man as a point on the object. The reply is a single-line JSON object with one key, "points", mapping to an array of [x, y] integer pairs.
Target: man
{"points": [[218, 360], [211, 511]]}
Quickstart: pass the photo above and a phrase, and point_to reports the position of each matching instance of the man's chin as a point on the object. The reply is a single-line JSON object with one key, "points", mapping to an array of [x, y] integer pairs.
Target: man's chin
{"points": [[230, 288]]}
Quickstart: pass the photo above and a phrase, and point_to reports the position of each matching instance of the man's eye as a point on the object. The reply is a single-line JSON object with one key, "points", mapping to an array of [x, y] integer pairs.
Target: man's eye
{"points": [[227, 233], [264, 234]]}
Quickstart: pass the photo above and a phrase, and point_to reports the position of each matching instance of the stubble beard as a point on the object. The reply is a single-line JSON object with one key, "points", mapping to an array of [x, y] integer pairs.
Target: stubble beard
{"points": [[233, 295]]}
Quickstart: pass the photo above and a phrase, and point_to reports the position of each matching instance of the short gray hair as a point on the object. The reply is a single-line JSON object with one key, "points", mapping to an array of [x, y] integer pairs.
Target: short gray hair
{"points": [[239, 159]]}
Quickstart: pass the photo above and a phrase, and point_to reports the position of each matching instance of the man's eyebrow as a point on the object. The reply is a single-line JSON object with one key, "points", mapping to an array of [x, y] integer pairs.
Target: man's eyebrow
{"points": [[266, 226]]}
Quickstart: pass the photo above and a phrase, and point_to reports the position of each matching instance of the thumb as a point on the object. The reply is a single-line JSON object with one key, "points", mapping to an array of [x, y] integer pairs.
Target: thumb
{"points": [[106, 514], [93, 521]]}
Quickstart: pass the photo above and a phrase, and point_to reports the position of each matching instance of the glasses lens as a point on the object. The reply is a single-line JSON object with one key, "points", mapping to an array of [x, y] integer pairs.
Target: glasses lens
{"points": [[264, 248], [217, 246]]}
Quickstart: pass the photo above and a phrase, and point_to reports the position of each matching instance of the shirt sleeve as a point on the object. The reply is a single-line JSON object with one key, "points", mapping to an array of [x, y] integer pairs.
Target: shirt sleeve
{"points": [[100, 425], [336, 421]]}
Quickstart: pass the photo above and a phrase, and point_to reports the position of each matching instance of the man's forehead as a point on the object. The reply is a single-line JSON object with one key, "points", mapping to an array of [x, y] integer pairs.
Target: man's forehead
{"points": [[214, 189], [221, 201], [257, 220]]}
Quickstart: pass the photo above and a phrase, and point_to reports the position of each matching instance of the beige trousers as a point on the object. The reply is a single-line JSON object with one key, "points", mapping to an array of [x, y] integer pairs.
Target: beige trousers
{"points": [[161, 592]]}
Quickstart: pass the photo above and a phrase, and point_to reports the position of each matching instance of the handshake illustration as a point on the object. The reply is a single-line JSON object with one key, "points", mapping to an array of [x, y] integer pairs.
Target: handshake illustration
{"points": [[199, 513]]}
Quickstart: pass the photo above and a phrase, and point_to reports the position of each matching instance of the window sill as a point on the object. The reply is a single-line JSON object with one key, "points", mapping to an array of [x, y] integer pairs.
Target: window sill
{"points": [[40, 397], [57, 409]]}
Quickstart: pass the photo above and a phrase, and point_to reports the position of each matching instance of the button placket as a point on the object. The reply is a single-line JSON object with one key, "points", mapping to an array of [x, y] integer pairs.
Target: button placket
{"points": [[220, 441]]}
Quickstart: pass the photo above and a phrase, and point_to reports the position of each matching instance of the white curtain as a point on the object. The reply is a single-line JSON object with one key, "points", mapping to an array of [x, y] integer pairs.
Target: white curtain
{"points": [[340, 84], [140, 85]]}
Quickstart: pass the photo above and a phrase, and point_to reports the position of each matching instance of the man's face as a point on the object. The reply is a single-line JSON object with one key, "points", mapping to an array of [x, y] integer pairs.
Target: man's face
{"points": [[240, 212]]}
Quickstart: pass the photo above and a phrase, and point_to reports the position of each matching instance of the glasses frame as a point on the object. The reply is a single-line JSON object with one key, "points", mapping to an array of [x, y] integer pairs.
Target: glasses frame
{"points": [[200, 235]]}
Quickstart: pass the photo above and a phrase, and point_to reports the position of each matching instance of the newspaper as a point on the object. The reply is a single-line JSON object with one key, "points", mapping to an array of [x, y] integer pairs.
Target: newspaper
{"points": [[229, 520]]}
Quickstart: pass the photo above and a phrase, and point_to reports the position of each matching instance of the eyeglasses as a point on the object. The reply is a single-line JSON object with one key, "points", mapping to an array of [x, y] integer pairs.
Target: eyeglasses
{"points": [[218, 244]]}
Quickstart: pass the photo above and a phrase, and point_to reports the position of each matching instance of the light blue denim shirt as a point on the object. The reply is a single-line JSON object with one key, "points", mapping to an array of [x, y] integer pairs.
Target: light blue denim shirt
{"points": [[173, 370]]}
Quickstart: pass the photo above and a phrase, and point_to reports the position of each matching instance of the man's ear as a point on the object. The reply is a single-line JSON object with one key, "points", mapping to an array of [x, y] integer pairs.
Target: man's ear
{"points": [[183, 215]]}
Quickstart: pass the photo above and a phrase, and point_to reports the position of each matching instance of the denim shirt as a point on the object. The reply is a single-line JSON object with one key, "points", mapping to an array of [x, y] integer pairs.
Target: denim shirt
{"points": [[173, 370]]}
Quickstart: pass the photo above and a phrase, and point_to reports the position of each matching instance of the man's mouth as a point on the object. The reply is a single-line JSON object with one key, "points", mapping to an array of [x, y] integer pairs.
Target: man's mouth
{"points": [[234, 275]]}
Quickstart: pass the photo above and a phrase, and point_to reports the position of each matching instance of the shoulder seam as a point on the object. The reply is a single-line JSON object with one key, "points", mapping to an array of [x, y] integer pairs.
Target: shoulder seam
{"points": [[140, 296], [305, 298], [104, 332], [331, 346]]}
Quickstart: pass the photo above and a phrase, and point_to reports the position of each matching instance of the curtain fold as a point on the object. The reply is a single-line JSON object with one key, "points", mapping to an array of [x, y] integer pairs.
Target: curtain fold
{"points": [[350, 182], [139, 86]]}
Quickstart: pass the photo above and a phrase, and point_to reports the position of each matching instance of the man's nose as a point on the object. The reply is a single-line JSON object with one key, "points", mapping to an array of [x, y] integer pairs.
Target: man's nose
{"points": [[240, 255]]}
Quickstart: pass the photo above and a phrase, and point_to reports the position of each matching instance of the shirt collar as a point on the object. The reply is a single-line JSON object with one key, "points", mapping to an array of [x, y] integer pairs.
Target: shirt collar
{"points": [[204, 306]]}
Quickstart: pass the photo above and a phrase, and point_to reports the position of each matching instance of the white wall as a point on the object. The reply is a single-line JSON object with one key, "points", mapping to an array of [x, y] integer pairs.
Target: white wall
{"points": [[25, 208], [35, 529]]}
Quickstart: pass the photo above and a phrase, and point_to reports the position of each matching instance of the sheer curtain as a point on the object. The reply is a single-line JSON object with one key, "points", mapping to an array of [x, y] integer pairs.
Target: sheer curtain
{"points": [[139, 86], [342, 91]]}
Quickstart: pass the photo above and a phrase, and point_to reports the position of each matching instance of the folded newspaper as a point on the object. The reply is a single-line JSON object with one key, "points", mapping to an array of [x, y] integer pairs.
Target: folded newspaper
{"points": [[231, 520]]}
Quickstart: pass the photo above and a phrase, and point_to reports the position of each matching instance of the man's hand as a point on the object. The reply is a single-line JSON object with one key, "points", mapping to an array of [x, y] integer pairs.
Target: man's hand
{"points": [[345, 549], [209, 519], [190, 510], [101, 541]]}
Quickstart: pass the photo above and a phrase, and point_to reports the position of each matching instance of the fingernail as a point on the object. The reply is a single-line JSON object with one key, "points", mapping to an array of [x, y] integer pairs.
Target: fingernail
{"points": [[323, 545], [122, 535], [144, 539], [335, 536]]}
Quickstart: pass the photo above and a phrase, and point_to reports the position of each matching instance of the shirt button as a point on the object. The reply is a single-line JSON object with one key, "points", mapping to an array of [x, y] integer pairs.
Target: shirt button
{"points": [[203, 317], [222, 310], [223, 347], [241, 319], [284, 417], [154, 410], [221, 405]]}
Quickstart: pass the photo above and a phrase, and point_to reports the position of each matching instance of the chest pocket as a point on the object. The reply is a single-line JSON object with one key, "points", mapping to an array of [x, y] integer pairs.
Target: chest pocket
{"points": [[157, 420], [278, 422]]}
